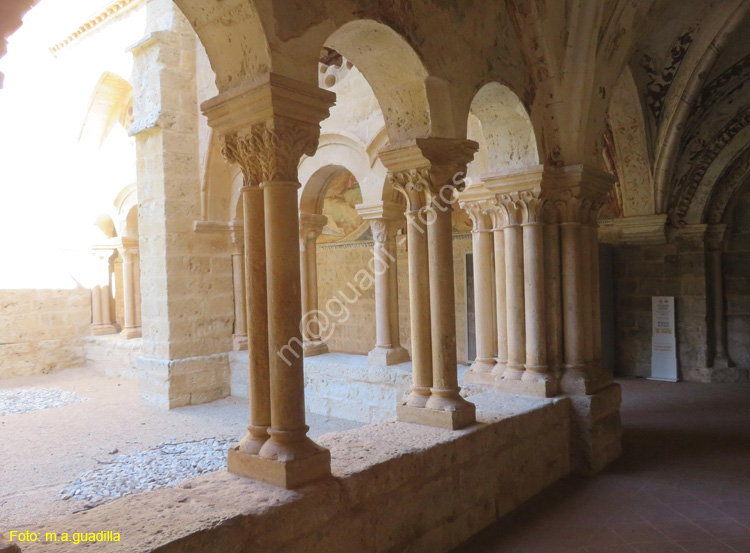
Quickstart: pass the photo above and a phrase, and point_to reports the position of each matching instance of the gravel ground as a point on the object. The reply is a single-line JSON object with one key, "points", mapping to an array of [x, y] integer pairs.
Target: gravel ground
{"points": [[19, 401], [162, 466], [46, 450]]}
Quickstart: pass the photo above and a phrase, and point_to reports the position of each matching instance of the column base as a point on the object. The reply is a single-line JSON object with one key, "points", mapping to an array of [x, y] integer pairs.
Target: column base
{"points": [[483, 365], [723, 362], [537, 387], [583, 379], [384, 357], [239, 342], [100, 330], [133, 332], [283, 474], [316, 347], [440, 418], [597, 429]]}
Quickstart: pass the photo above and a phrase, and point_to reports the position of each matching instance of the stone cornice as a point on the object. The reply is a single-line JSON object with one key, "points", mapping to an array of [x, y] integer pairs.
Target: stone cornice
{"points": [[382, 210], [648, 229], [113, 9], [513, 181]]}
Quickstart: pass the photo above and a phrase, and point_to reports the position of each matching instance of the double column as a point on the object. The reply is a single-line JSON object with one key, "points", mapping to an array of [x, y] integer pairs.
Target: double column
{"points": [[267, 125], [429, 172], [310, 228], [131, 284], [101, 296], [385, 221]]}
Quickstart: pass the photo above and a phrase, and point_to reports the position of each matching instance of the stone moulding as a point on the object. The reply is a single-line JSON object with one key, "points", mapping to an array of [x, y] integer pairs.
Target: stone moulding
{"points": [[648, 229]]}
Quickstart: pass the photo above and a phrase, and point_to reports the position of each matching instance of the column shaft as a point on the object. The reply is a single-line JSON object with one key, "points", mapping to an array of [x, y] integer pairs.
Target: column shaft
{"points": [[514, 275], [96, 305], [587, 294], [596, 314], [553, 297], [500, 302], [419, 310], [240, 303], [534, 302], [257, 319], [572, 292], [721, 357], [383, 336], [484, 327]]}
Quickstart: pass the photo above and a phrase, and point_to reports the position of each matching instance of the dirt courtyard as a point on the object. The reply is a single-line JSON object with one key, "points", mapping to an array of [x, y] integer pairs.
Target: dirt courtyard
{"points": [[43, 451]]}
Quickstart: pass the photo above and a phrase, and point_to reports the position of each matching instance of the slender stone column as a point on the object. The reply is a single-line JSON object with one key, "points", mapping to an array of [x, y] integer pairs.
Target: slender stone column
{"points": [[482, 263], [239, 338], [501, 315], [101, 304], [419, 307], [714, 240], [388, 350], [586, 277], [267, 125], [131, 328], [514, 275], [553, 293], [431, 169], [536, 338], [311, 227]]}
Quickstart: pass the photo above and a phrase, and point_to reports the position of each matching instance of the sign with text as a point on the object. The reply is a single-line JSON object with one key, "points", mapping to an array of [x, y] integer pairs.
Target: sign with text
{"points": [[663, 340]]}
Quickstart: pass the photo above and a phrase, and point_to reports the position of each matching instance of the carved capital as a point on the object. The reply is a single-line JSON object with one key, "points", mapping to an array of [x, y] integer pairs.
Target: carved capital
{"points": [[311, 226], [429, 169], [577, 192], [384, 230], [479, 212]]}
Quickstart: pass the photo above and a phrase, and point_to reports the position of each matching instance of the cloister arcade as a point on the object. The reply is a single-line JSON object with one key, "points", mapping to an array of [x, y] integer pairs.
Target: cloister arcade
{"points": [[445, 221]]}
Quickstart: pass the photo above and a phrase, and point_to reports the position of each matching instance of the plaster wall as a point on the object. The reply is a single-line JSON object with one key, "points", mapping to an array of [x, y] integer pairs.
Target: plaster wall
{"points": [[42, 331]]}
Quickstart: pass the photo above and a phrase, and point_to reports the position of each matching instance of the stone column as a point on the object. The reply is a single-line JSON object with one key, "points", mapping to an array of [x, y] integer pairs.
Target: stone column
{"points": [[501, 315], [482, 264], [514, 300], [714, 241], [267, 125], [596, 310], [553, 291], [577, 193], [534, 307], [239, 337], [435, 167], [388, 350], [311, 226], [137, 286], [131, 327], [101, 296]]}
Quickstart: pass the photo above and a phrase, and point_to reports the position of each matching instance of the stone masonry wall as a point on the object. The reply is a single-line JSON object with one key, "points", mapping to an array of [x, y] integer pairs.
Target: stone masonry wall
{"points": [[111, 355], [677, 269], [337, 266], [396, 487], [42, 331]]}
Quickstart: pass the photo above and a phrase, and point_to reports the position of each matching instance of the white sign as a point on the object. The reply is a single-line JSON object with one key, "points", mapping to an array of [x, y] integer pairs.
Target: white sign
{"points": [[663, 340]]}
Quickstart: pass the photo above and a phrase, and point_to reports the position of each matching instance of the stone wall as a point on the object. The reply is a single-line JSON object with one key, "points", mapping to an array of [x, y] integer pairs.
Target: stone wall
{"points": [[42, 331], [111, 355], [337, 266], [677, 269], [737, 283], [396, 487]]}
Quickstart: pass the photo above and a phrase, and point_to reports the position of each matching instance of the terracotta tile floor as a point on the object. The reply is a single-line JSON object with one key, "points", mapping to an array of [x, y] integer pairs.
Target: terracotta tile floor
{"points": [[682, 483]]}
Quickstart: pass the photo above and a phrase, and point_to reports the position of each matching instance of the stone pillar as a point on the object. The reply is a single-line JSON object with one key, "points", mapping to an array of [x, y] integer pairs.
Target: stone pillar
{"points": [[187, 332], [714, 241], [596, 309], [101, 296], [311, 226], [239, 337], [129, 254], [267, 125], [553, 292], [432, 170], [137, 286], [482, 264], [533, 255], [577, 192], [388, 350]]}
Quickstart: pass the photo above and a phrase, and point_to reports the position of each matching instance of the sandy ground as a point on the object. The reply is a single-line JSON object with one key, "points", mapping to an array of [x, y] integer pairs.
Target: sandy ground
{"points": [[42, 451]]}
